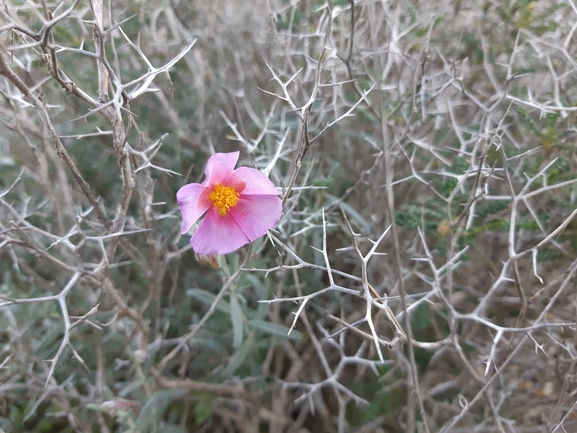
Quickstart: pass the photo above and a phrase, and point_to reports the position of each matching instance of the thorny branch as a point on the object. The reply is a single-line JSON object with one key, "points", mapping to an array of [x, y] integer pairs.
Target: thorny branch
{"points": [[427, 236]]}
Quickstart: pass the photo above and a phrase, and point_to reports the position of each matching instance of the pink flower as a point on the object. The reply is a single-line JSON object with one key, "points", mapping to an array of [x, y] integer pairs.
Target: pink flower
{"points": [[240, 206]]}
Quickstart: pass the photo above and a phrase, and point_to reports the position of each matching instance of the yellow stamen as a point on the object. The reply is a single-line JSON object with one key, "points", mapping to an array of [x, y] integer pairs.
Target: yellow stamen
{"points": [[224, 198]]}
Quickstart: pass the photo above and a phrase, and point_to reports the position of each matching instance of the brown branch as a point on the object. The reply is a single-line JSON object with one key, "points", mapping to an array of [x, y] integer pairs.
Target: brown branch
{"points": [[40, 104]]}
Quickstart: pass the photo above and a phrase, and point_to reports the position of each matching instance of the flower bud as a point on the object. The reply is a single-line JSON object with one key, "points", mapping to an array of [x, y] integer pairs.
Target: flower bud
{"points": [[212, 260]]}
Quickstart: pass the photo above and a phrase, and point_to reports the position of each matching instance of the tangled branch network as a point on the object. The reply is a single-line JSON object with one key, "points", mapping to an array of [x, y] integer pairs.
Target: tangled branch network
{"points": [[384, 194]]}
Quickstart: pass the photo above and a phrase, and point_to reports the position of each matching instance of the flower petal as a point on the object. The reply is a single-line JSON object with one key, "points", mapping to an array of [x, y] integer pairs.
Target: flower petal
{"points": [[192, 204], [219, 167], [218, 234], [254, 182], [255, 214]]}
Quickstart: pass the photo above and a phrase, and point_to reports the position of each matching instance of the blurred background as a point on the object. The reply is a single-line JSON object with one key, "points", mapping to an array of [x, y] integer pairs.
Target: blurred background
{"points": [[421, 278]]}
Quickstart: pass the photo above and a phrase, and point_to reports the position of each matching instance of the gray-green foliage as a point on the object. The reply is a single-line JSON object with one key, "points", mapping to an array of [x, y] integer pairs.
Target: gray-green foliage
{"points": [[463, 111]]}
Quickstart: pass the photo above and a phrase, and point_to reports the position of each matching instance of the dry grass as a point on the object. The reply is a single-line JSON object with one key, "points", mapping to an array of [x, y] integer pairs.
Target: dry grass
{"points": [[421, 278]]}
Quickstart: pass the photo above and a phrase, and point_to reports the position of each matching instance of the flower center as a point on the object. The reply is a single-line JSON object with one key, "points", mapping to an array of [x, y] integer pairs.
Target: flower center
{"points": [[224, 197]]}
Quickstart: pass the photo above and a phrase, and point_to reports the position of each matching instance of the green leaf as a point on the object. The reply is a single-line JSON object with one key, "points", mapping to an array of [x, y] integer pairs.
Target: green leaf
{"points": [[208, 298], [237, 318], [352, 213], [173, 429], [131, 387], [202, 409], [262, 293], [275, 329], [238, 358], [155, 407]]}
